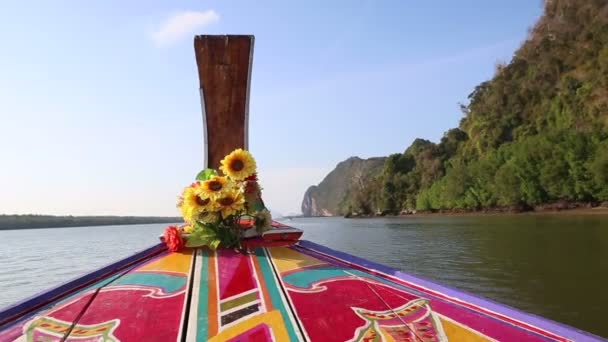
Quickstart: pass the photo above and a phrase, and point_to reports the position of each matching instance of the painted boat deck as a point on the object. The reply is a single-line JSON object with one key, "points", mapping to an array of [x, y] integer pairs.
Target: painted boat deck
{"points": [[298, 293]]}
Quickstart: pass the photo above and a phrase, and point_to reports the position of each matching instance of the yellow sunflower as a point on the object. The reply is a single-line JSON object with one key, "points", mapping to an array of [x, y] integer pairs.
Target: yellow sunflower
{"points": [[215, 185], [194, 202], [230, 202], [238, 165]]}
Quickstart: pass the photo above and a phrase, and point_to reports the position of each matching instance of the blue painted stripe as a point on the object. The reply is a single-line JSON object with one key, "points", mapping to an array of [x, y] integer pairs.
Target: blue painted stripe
{"points": [[305, 278], [202, 321], [168, 282], [272, 286]]}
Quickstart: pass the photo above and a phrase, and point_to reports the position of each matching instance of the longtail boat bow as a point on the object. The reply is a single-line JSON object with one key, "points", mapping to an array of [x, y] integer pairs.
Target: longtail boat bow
{"points": [[285, 290]]}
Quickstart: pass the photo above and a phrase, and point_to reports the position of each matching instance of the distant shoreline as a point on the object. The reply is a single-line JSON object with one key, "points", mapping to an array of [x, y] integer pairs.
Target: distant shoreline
{"points": [[12, 222], [568, 211], [565, 212]]}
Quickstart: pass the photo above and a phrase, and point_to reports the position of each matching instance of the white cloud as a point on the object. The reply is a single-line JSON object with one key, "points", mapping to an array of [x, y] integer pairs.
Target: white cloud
{"points": [[181, 24]]}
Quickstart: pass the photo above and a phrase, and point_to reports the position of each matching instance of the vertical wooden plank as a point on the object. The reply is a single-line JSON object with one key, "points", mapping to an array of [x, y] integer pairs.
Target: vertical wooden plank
{"points": [[197, 324], [224, 70], [213, 301]]}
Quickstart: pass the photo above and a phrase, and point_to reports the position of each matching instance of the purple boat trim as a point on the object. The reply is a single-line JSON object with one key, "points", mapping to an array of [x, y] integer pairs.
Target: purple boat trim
{"points": [[483, 303], [16, 312]]}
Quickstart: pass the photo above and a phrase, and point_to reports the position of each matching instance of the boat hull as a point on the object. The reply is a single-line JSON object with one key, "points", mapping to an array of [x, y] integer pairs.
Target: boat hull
{"points": [[302, 292]]}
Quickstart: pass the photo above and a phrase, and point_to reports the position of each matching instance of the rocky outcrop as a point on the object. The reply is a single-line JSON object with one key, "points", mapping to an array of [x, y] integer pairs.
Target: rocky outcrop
{"points": [[329, 198], [310, 207], [309, 203]]}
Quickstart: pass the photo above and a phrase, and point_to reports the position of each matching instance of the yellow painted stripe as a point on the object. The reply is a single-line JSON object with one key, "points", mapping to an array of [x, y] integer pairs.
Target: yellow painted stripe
{"points": [[457, 332], [173, 262], [286, 259], [238, 301]]}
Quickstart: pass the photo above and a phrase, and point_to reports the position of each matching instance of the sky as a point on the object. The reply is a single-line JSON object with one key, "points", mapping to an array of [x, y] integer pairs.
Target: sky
{"points": [[100, 110]]}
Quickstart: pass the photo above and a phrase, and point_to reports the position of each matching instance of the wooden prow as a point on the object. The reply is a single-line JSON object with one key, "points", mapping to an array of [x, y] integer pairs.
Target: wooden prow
{"points": [[224, 72]]}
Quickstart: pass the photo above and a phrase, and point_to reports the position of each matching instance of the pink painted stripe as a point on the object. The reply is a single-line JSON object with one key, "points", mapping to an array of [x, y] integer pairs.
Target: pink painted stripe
{"points": [[234, 273]]}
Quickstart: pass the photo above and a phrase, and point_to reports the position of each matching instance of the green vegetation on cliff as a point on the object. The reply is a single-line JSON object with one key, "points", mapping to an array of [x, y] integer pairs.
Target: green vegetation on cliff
{"points": [[537, 132]]}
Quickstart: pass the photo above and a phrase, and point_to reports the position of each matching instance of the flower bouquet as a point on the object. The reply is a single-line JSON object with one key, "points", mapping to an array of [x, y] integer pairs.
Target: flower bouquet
{"points": [[220, 210]]}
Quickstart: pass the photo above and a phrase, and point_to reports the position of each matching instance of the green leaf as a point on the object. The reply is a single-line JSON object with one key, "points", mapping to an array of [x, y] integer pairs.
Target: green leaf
{"points": [[215, 243], [195, 241], [206, 174], [202, 235]]}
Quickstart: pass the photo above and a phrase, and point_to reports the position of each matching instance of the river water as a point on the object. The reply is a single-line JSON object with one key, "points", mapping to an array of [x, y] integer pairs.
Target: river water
{"points": [[555, 266]]}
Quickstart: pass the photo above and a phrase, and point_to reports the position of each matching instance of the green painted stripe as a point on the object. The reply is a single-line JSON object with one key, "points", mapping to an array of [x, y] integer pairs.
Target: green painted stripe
{"points": [[203, 298], [238, 301], [274, 291]]}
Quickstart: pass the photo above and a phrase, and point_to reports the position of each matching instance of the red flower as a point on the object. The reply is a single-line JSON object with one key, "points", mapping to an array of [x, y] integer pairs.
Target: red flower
{"points": [[253, 177], [173, 239]]}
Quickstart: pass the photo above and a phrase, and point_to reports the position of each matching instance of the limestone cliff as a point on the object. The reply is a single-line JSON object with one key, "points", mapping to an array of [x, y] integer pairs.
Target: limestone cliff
{"points": [[328, 198]]}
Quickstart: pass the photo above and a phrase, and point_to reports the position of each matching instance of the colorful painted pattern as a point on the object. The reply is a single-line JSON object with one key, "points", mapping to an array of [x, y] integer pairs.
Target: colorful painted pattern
{"points": [[143, 303], [302, 293], [298, 293]]}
